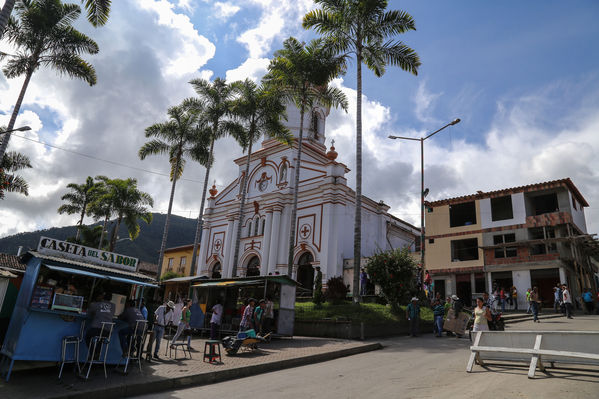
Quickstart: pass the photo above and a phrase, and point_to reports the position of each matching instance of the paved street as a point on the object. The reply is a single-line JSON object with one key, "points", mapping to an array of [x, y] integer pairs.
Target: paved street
{"points": [[424, 367]]}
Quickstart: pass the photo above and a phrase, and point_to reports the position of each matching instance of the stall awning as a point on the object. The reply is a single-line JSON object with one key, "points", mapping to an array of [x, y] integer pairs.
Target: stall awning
{"points": [[97, 275], [75, 271], [230, 283]]}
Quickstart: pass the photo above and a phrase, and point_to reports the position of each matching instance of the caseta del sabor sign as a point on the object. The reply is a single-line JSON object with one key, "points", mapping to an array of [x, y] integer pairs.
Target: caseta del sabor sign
{"points": [[51, 246]]}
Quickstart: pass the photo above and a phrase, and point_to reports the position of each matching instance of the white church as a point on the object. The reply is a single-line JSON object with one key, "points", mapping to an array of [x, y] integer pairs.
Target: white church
{"points": [[325, 216]]}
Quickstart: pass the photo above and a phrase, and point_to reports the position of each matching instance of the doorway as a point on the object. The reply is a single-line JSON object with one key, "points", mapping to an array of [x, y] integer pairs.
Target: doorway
{"points": [[305, 271], [253, 268]]}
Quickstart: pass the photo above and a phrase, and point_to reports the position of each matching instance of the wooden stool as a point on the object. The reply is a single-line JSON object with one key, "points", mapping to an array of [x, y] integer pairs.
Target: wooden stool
{"points": [[211, 345]]}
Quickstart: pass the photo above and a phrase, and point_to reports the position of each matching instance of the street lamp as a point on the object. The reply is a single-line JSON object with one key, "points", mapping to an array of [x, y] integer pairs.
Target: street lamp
{"points": [[423, 192], [19, 129]]}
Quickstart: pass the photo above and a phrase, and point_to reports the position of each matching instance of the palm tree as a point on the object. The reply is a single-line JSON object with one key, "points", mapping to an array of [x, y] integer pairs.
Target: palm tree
{"points": [[77, 201], [101, 205], [364, 28], [259, 111], [44, 36], [302, 74], [180, 137], [9, 182], [216, 98], [97, 12]]}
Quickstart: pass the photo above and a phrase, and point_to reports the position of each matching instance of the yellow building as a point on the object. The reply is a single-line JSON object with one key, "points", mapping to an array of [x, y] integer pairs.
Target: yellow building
{"points": [[177, 260]]}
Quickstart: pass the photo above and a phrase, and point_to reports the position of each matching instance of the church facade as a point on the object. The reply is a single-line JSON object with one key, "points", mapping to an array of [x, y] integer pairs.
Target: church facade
{"points": [[325, 213]]}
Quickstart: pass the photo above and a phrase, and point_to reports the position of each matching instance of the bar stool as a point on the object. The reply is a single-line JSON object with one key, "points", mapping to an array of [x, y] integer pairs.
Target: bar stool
{"points": [[104, 340], [212, 345], [75, 341], [135, 342]]}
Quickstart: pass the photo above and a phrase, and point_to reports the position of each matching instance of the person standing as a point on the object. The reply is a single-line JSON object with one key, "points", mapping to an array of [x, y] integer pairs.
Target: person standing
{"points": [[556, 299], [413, 316], [215, 320], [184, 323], [143, 309], [528, 293], [482, 316], [514, 294], [247, 319], [502, 299], [534, 304], [363, 282], [438, 313], [163, 316], [587, 298], [567, 298], [259, 316]]}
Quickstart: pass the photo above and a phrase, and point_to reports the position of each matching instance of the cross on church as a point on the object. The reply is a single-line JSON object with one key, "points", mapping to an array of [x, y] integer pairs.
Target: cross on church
{"points": [[305, 231], [217, 245], [333, 143]]}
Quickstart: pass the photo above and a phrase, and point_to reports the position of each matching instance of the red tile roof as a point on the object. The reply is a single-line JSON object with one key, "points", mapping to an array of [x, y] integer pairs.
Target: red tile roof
{"points": [[11, 262], [520, 189]]}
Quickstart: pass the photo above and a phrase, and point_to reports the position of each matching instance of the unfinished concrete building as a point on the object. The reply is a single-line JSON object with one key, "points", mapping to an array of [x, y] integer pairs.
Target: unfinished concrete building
{"points": [[526, 236]]}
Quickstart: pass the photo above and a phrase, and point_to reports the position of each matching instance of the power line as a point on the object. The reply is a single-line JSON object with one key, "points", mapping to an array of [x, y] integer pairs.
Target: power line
{"points": [[103, 160]]}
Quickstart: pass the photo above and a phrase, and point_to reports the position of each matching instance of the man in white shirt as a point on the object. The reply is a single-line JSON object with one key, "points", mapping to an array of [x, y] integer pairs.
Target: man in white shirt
{"points": [[215, 320], [567, 300], [163, 317]]}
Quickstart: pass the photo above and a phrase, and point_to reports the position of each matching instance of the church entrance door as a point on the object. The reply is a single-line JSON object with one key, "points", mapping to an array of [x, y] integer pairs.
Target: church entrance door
{"points": [[305, 271], [253, 268]]}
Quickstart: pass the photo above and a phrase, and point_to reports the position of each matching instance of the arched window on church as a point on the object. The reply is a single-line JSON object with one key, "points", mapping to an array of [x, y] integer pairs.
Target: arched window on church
{"points": [[249, 234], [256, 226], [262, 227], [283, 173]]}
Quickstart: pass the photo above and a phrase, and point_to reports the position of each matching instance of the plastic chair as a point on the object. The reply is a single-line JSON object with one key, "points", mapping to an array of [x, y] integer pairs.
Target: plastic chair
{"points": [[135, 342], [211, 355], [180, 343], [104, 340], [76, 342]]}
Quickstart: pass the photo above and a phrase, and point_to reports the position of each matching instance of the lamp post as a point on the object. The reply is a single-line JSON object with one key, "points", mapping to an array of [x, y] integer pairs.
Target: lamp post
{"points": [[423, 193], [19, 129]]}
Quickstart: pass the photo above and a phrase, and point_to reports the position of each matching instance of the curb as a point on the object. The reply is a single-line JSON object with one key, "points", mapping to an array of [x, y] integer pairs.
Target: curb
{"points": [[167, 384]]}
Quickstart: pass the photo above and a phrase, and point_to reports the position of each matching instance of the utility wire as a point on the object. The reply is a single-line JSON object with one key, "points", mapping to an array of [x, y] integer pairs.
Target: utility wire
{"points": [[104, 160]]}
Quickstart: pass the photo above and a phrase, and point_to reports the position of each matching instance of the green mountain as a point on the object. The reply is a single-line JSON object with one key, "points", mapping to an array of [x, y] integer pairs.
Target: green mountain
{"points": [[145, 247]]}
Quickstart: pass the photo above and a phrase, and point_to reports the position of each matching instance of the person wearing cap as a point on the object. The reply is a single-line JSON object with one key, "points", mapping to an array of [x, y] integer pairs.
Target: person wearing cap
{"points": [[457, 305], [247, 320], [215, 320], [163, 317], [413, 316]]}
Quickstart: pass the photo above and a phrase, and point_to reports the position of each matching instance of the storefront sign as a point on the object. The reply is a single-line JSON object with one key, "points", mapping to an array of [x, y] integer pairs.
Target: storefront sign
{"points": [[51, 246]]}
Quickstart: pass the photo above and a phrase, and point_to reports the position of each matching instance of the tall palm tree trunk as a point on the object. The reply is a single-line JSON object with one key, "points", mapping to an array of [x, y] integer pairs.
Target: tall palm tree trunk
{"points": [[358, 216], [103, 230], [168, 218], [241, 206], [80, 223], [13, 118], [5, 14], [115, 233], [295, 195], [198, 236]]}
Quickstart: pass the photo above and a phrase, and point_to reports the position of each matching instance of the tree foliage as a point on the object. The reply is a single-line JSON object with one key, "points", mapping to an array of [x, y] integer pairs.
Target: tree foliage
{"points": [[11, 182], [395, 273], [336, 290]]}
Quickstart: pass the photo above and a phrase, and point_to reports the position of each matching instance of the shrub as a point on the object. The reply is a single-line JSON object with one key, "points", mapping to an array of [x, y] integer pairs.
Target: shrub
{"points": [[169, 275], [336, 290], [395, 272]]}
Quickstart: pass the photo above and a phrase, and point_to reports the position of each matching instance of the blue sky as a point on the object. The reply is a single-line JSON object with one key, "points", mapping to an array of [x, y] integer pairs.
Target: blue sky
{"points": [[522, 76]]}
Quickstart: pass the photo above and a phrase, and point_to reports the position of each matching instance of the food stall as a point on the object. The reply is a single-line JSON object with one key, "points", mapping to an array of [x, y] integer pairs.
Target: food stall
{"points": [[233, 293], [60, 282]]}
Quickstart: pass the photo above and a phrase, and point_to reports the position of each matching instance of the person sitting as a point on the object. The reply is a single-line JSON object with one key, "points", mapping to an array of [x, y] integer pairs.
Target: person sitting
{"points": [[130, 315], [100, 311]]}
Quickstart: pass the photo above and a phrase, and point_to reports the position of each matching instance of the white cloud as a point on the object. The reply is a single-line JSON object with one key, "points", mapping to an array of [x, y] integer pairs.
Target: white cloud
{"points": [[252, 68], [224, 10], [424, 102], [190, 51], [279, 19]]}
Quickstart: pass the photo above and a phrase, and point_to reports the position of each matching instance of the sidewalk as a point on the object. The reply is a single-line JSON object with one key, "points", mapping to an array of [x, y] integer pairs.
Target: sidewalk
{"points": [[170, 374]]}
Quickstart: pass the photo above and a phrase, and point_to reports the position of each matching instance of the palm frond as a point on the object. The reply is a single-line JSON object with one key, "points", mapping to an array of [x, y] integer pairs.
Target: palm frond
{"points": [[98, 11]]}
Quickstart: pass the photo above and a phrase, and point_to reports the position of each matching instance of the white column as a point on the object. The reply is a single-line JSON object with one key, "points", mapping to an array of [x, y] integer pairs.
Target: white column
{"points": [[490, 283], [204, 245], [273, 252], [562, 276], [228, 249], [232, 246], [266, 242]]}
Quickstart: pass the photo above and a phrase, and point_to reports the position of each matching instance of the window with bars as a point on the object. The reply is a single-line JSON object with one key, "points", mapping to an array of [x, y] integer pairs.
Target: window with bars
{"points": [[171, 262], [505, 252], [182, 263]]}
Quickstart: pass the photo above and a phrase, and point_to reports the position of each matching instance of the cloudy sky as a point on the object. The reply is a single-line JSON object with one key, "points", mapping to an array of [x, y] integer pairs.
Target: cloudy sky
{"points": [[522, 76]]}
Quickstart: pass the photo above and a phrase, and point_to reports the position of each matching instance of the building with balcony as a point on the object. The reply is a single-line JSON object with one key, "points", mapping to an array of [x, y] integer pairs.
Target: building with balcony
{"points": [[525, 236]]}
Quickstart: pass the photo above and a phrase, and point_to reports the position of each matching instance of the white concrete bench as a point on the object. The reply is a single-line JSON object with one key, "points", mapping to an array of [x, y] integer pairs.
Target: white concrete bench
{"points": [[535, 347]]}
